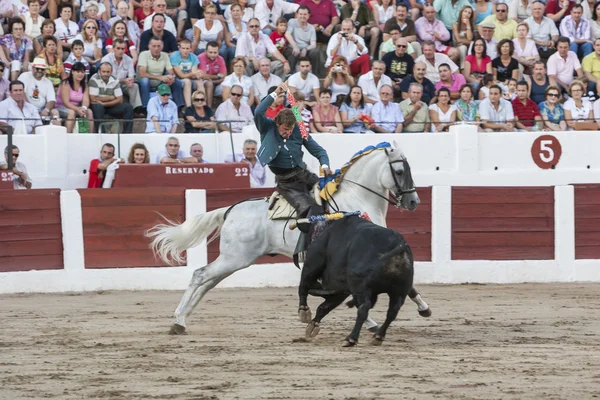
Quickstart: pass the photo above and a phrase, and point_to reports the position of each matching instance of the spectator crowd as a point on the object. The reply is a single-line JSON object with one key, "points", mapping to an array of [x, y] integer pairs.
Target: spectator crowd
{"points": [[352, 66]]}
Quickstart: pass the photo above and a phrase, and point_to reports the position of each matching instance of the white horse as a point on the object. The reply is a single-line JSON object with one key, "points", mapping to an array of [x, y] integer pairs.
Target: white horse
{"points": [[247, 233]]}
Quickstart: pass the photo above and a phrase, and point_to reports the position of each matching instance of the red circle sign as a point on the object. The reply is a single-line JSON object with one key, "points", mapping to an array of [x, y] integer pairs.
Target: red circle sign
{"points": [[546, 151]]}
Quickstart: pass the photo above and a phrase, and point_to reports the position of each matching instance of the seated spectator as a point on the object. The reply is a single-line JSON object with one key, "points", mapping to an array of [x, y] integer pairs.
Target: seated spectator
{"points": [[453, 82], [383, 10], [162, 112], [99, 166], [122, 66], [449, 11], [360, 16], [277, 105], [387, 114], [441, 113], [133, 30], [76, 56], [351, 46], [234, 110], [138, 154], [172, 154], [538, 82], [305, 82], [258, 173], [16, 48], [591, 66], [415, 111], [143, 12], [326, 115], [236, 27], [177, 12], [542, 30], [39, 91], [196, 10], [519, 10], [278, 37], [237, 78], [4, 83], [307, 117], [353, 109], [390, 45], [91, 13], [433, 60], [432, 29], [505, 66], [264, 80], [510, 90], [372, 82], [106, 97], [338, 80], [48, 29], [119, 31], [154, 69], [160, 8], [268, 12], [92, 45], [324, 17], [505, 28], [594, 18], [462, 31], [483, 91], [398, 65], [208, 29], [556, 9], [197, 151], [73, 99], [467, 109], [302, 39], [406, 26], [212, 70], [427, 87], [579, 113], [496, 113], [55, 69], [491, 44], [562, 64], [33, 20], [199, 117], [246, 11], [552, 112], [66, 30], [578, 30], [21, 179], [18, 113], [526, 111], [185, 65], [158, 31], [255, 45], [526, 52]]}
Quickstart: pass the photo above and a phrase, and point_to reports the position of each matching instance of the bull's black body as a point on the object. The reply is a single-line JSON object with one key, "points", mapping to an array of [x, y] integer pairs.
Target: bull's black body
{"points": [[356, 257]]}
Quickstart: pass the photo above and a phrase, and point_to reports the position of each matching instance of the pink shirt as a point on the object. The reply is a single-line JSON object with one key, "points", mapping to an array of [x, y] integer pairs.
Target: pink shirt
{"points": [[212, 67], [425, 28], [457, 81], [563, 69]]}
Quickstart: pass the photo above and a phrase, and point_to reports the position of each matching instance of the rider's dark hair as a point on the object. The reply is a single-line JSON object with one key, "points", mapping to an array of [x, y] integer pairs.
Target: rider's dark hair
{"points": [[286, 118]]}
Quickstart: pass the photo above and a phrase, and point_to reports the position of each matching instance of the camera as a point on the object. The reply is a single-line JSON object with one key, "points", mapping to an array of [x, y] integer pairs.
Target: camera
{"points": [[337, 68], [344, 35]]}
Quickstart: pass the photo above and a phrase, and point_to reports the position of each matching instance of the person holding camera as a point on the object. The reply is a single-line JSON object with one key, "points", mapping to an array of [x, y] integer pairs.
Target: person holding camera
{"points": [[348, 44], [339, 80]]}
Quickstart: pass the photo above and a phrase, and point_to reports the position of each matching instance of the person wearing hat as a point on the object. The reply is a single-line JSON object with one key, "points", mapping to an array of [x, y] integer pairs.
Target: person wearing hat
{"points": [[162, 112], [486, 30], [39, 90]]}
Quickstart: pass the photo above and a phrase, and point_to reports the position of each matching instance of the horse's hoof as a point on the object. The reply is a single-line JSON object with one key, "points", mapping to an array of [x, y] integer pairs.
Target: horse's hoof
{"points": [[312, 330], [377, 340], [305, 315], [349, 343], [374, 329], [425, 313], [177, 329]]}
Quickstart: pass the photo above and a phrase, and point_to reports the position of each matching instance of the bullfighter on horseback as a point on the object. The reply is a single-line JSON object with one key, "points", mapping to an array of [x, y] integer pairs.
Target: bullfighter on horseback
{"points": [[281, 149]]}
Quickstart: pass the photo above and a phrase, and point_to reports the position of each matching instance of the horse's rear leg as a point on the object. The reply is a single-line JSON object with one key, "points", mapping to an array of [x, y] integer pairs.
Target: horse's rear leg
{"points": [[330, 303], [422, 307]]}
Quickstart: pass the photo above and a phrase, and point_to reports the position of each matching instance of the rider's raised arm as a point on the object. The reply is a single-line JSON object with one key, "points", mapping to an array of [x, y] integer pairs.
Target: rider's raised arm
{"points": [[316, 150], [263, 123]]}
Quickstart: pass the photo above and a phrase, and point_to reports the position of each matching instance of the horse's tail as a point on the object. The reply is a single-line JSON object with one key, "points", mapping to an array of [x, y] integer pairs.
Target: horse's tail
{"points": [[170, 240]]}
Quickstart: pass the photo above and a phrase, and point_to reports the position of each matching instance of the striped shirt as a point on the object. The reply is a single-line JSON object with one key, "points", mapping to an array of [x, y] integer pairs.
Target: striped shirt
{"points": [[104, 89]]}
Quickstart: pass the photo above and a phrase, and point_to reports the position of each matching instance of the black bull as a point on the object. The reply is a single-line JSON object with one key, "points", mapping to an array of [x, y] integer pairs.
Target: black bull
{"points": [[355, 257]]}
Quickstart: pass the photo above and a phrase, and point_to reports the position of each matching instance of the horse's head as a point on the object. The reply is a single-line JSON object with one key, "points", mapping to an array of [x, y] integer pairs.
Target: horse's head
{"points": [[398, 179]]}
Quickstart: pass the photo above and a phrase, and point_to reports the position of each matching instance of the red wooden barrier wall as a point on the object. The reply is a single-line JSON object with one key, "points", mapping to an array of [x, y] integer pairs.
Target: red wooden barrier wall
{"points": [[415, 226], [502, 223], [587, 222], [31, 236], [114, 222]]}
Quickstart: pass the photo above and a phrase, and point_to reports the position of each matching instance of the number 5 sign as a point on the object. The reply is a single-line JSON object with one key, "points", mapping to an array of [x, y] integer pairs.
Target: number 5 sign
{"points": [[546, 151]]}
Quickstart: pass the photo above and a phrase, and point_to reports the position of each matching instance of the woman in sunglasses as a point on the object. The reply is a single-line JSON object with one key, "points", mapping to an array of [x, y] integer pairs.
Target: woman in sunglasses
{"points": [[552, 111], [199, 117], [16, 48]]}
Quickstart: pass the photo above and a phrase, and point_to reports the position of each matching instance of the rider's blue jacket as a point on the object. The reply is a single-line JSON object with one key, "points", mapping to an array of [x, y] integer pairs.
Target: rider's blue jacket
{"points": [[278, 152]]}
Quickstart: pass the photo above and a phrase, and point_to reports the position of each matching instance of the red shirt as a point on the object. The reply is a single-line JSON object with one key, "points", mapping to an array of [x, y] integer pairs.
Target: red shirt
{"points": [[139, 14], [525, 114], [212, 67], [279, 41], [272, 112], [553, 7], [94, 180], [321, 13]]}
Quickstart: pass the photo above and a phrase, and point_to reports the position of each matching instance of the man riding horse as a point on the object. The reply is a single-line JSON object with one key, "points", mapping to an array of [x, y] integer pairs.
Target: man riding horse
{"points": [[281, 149]]}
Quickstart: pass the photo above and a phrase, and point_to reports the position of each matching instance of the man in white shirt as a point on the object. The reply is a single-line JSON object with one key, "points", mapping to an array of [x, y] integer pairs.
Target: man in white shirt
{"points": [[39, 91], [160, 6], [269, 11], [348, 44], [263, 80], [562, 64], [172, 154], [258, 173], [21, 179], [433, 61], [496, 113], [234, 110], [18, 113], [387, 114], [305, 82], [542, 30], [372, 82]]}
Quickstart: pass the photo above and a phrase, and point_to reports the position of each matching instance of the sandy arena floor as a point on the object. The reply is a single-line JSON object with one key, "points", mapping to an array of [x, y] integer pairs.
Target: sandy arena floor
{"points": [[486, 342]]}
